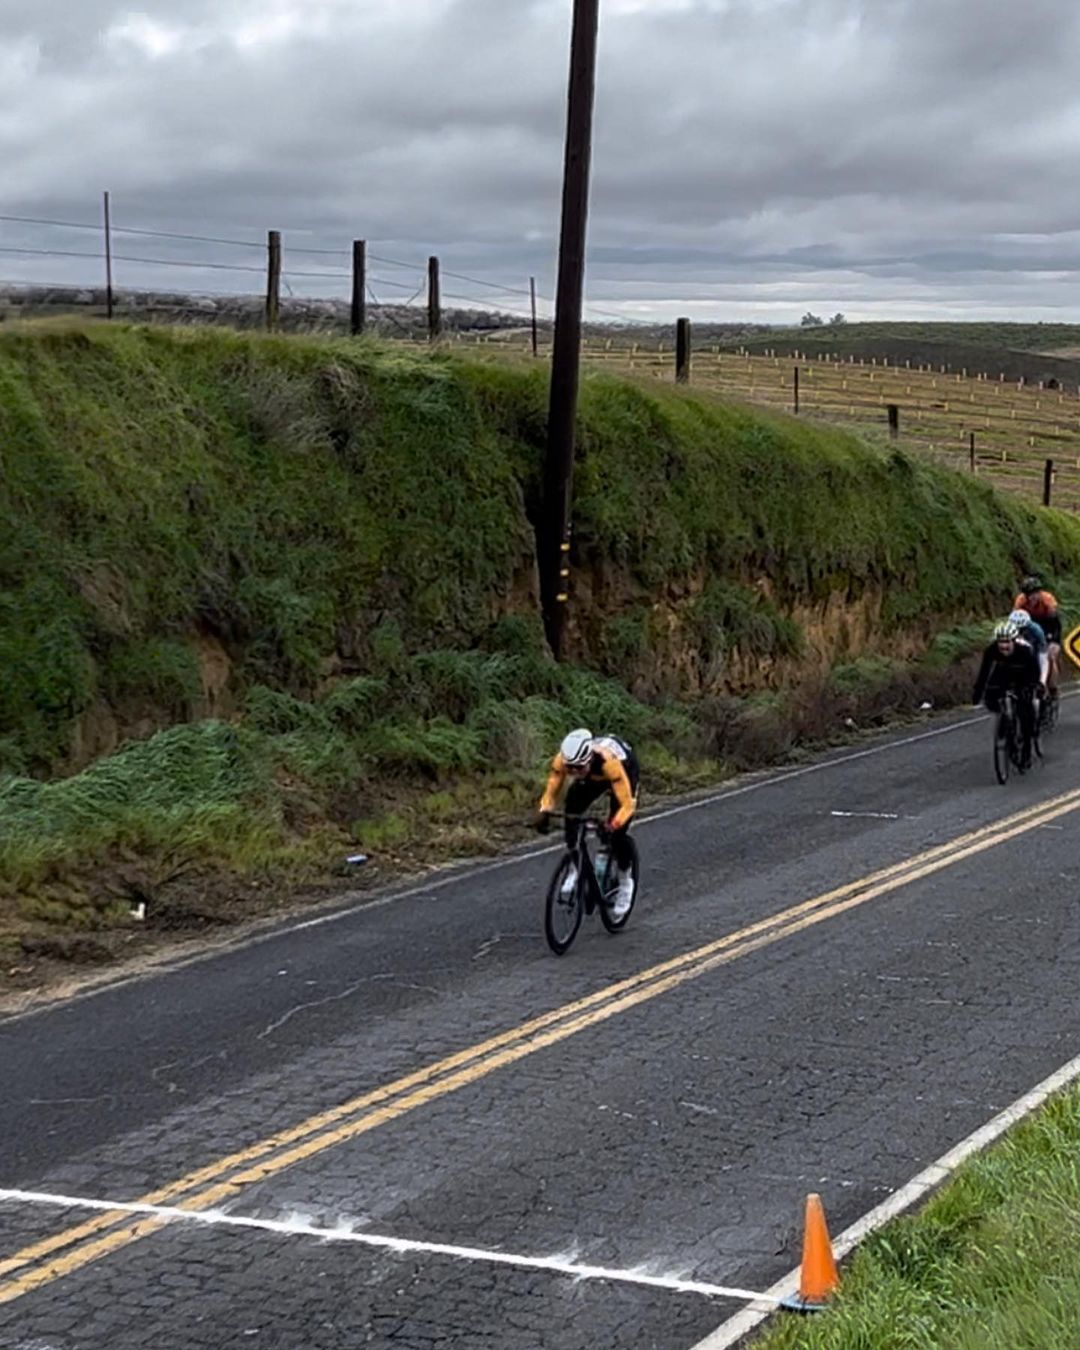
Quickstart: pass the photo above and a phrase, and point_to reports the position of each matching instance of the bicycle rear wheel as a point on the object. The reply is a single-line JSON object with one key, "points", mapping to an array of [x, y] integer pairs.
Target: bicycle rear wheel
{"points": [[612, 922], [1052, 709], [562, 913], [1002, 747]]}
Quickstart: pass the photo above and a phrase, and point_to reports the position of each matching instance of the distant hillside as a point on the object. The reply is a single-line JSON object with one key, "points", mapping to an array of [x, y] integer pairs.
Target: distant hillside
{"points": [[1028, 337], [1019, 351]]}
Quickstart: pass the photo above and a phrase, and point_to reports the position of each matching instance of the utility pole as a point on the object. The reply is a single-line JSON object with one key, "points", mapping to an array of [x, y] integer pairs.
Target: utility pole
{"points": [[553, 536]]}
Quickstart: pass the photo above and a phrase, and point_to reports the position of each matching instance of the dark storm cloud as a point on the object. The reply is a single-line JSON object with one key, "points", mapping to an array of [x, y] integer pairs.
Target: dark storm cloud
{"points": [[753, 157]]}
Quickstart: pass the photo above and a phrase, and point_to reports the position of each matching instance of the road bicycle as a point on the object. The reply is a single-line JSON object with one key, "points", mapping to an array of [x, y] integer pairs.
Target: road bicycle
{"points": [[582, 883], [1009, 748]]}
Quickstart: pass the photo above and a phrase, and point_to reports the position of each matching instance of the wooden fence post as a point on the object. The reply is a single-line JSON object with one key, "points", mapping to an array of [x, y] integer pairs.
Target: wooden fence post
{"points": [[535, 330], [273, 279], [971, 451], [434, 304], [795, 392], [358, 317], [682, 351], [108, 261], [894, 421], [1048, 481]]}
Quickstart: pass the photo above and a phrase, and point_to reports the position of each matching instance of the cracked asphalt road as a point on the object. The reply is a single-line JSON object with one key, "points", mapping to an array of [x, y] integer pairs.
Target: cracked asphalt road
{"points": [[679, 1134]]}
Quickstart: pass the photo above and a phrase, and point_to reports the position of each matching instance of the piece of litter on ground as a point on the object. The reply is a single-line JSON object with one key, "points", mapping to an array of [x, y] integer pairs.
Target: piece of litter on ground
{"points": [[138, 912], [925, 707], [356, 859]]}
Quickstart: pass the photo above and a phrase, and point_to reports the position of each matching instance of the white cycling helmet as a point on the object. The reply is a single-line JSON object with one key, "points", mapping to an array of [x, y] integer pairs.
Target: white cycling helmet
{"points": [[577, 748], [1020, 617], [1006, 632]]}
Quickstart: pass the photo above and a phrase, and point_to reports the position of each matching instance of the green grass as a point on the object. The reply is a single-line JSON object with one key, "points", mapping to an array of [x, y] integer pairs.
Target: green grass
{"points": [[376, 760], [347, 531], [291, 498], [992, 1262]]}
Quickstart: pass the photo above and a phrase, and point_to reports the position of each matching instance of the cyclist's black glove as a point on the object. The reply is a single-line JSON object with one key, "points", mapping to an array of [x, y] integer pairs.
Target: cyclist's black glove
{"points": [[604, 833], [543, 822]]}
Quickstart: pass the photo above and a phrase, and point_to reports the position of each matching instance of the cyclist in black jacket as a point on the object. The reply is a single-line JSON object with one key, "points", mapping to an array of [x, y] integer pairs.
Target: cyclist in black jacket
{"points": [[1010, 664]]}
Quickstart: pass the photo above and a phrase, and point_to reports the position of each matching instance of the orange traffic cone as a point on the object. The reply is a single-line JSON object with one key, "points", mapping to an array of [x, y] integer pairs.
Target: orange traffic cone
{"points": [[817, 1278]]}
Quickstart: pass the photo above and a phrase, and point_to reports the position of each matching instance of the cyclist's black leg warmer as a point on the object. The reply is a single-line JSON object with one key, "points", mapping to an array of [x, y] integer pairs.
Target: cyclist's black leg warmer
{"points": [[1026, 711], [620, 847]]}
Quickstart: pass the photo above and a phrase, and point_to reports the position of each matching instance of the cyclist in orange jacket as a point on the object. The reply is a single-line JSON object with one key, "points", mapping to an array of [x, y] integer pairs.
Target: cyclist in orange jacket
{"points": [[1042, 605], [594, 765]]}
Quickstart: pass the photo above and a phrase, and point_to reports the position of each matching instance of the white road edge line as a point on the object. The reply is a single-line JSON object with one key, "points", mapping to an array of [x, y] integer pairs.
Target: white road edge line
{"points": [[866, 815], [918, 1188], [298, 1226], [270, 930]]}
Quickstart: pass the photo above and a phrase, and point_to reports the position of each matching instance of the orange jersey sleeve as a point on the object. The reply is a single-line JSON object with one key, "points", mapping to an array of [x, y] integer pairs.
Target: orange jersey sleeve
{"points": [[556, 779]]}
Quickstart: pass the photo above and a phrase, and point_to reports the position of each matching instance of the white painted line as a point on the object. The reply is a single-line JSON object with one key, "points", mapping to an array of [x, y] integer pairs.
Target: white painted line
{"points": [[918, 1188], [298, 1226], [270, 930], [466, 874], [866, 815]]}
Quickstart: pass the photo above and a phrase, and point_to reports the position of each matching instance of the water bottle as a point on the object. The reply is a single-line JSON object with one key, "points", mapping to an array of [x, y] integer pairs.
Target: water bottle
{"points": [[603, 859]]}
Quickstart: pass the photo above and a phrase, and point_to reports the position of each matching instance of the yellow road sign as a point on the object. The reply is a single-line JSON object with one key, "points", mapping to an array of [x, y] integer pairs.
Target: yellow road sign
{"points": [[1072, 646]]}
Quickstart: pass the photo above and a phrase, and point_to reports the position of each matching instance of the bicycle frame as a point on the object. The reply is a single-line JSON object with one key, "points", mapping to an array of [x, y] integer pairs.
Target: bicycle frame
{"points": [[584, 826]]}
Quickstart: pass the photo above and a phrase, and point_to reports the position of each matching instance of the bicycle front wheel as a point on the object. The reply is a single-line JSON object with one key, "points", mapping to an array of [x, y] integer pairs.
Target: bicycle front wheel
{"points": [[562, 913], [1002, 748]]}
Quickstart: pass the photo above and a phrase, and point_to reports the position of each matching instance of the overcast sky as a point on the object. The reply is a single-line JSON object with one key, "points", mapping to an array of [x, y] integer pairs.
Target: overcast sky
{"points": [[753, 158]]}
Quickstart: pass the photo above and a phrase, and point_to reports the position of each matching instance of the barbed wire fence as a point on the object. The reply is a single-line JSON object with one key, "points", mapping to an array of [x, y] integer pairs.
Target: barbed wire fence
{"points": [[1026, 438], [394, 297]]}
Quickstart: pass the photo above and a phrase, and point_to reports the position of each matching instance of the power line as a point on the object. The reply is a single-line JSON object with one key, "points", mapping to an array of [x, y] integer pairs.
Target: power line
{"points": [[130, 229], [234, 243], [320, 276], [180, 296], [608, 314], [63, 224], [123, 257], [396, 262], [494, 285], [472, 300], [457, 276], [53, 253]]}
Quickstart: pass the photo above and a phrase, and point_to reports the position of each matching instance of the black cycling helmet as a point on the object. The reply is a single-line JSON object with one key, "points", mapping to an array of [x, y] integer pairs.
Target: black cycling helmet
{"points": [[1031, 584]]}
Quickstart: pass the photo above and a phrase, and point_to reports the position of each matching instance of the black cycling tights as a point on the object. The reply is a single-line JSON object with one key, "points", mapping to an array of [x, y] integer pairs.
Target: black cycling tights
{"points": [[579, 797]]}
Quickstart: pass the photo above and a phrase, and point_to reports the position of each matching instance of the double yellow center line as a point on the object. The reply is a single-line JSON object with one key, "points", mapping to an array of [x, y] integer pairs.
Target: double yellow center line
{"points": [[224, 1179]]}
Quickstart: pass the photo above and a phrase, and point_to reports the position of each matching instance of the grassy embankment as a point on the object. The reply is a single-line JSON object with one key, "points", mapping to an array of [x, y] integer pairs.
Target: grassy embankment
{"points": [[992, 1262], [264, 600]]}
